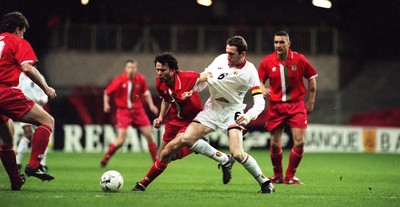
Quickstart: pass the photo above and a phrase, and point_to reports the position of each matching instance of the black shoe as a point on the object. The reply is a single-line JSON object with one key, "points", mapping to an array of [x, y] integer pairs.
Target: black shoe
{"points": [[103, 164], [267, 187], [18, 186], [139, 187], [227, 169], [44, 168], [37, 172], [19, 166]]}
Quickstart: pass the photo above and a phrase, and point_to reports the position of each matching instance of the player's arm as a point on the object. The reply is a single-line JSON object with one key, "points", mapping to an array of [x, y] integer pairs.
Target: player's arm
{"points": [[36, 77], [149, 101], [106, 102], [163, 112], [312, 90], [265, 91]]}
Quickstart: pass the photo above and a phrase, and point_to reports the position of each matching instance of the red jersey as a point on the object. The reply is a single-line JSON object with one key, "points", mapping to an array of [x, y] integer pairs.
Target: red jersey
{"points": [[181, 109], [14, 51], [128, 92], [286, 78]]}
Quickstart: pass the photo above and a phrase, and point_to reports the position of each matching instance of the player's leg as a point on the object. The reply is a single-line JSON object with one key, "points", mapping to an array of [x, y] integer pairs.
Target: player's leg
{"points": [[151, 142], [24, 143], [7, 154], [167, 151], [296, 154], [192, 139], [248, 162], [43, 162], [113, 147], [276, 154], [40, 139]]}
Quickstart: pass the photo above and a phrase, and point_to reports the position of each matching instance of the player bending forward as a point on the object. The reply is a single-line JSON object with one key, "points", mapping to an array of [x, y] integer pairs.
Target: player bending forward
{"points": [[232, 77], [17, 55], [177, 111], [36, 94]]}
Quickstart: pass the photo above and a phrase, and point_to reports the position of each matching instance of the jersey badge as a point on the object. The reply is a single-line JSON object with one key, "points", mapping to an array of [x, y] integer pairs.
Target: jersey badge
{"points": [[294, 68], [273, 69], [235, 73]]}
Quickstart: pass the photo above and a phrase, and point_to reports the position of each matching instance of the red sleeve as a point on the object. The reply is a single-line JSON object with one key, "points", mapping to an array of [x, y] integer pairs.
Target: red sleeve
{"points": [[309, 70], [24, 53], [263, 71], [189, 79], [113, 86]]}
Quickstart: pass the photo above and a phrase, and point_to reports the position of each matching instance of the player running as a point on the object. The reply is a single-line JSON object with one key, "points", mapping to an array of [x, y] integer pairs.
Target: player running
{"points": [[285, 70], [128, 90], [17, 55], [232, 77], [36, 94], [177, 111]]}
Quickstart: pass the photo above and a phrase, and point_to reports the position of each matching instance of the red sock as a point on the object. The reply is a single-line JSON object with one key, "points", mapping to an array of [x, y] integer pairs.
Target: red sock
{"points": [[153, 150], [40, 140], [294, 161], [276, 159], [156, 170], [8, 159], [111, 150], [182, 153]]}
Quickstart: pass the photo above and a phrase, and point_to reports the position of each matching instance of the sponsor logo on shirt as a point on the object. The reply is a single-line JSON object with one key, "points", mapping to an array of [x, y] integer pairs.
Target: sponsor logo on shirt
{"points": [[273, 69]]}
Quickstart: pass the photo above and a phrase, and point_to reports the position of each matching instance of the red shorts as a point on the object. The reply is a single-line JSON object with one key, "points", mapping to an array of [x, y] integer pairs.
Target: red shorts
{"points": [[172, 128], [293, 113], [132, 117], [13, 103]]}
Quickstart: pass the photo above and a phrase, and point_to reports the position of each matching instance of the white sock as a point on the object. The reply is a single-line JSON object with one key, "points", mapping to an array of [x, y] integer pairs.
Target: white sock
{"points": [[250, 164], [206, 149], [43, 161], [22, 147]]}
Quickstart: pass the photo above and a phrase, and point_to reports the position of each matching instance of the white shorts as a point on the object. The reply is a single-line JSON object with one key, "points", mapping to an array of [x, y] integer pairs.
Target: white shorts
{"points": [[219, 115]]}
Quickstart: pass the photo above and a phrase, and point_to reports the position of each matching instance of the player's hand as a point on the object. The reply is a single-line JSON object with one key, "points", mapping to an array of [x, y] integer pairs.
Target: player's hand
{"points": [[50, 92], [106, 108], [157, 122], [154, 109], [187, 94], [266, 92], [310, 106], [243, 119]]}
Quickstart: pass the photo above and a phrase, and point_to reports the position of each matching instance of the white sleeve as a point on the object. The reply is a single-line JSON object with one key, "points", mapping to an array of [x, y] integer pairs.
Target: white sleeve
{"points": [[258, 107], [258, 99]]}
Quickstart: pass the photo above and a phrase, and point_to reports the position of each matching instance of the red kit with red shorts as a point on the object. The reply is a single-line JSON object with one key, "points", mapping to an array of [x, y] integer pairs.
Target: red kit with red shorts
{"points": [[14, 51], [286, 103], [182, 111], [127, 97]]}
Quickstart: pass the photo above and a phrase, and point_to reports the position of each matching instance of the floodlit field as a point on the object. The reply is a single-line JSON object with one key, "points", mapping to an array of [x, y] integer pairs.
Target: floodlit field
{"points": [[330, 180]]}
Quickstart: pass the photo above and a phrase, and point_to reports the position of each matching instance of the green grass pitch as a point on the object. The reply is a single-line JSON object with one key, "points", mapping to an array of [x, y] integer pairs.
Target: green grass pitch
{"points": [[330, 180]]}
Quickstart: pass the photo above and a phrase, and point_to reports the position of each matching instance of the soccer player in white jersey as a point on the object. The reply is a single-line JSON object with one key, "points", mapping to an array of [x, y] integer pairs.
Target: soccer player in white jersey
{"points": [[231, 77], [36, 94]]}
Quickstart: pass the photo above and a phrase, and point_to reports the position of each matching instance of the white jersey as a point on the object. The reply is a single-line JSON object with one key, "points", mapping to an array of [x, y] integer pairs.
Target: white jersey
{"points": [[232, 83], [31, 90]]}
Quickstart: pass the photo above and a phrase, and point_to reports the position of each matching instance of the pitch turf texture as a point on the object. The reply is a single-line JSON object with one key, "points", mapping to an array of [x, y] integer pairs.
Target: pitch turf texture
{"points": [[330, 180]]}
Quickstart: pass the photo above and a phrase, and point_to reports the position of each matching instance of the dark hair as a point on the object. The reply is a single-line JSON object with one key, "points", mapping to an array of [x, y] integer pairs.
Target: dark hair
{"points": [[238, 42], [282, 33], [167, 58], [131, 61], [13, 20]]}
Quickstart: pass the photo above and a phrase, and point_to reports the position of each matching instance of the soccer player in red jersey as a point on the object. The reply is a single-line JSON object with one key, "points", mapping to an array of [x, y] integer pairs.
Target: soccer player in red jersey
{"points": [[285, 71], [128, 90], [177, 110], [17, 55]]}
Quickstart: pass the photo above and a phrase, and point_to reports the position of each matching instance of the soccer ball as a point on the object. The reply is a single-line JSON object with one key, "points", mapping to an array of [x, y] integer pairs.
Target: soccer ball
{"points": [[111, 181]]}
